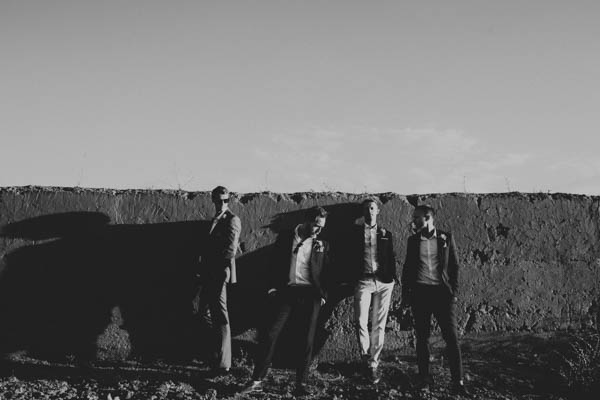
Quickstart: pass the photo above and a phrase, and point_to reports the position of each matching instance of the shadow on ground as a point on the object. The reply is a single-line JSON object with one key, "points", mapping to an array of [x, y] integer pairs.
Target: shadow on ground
{"points": [[518, 366]]}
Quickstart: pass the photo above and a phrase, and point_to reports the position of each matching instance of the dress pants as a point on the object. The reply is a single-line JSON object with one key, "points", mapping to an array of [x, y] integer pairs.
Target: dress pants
{"points": [[214, 297], [305, 303], [373, 292], [436, 300]]}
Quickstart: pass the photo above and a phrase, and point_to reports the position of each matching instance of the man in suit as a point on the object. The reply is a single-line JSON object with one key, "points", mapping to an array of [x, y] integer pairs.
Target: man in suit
{"points": [[218, 269], [297, 284], [373, 263], [430, 287]]}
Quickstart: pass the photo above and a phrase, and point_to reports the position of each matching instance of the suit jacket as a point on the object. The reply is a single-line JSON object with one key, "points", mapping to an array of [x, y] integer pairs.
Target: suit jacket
{"points": [[386, 257], [280, 264], [222, 245], [448, 263]]}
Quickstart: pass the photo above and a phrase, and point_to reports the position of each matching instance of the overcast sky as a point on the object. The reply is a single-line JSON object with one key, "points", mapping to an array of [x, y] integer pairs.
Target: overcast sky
{"points": [[377, 96]]}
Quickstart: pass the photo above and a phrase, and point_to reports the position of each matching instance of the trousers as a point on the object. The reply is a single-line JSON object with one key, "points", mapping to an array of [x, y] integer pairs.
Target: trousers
{"points": [[375, 295], [305, 304], [436, 300]]}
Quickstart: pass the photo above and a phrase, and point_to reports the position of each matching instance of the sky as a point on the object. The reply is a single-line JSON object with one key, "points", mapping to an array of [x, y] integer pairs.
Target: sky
{"points": [[411, 97]]}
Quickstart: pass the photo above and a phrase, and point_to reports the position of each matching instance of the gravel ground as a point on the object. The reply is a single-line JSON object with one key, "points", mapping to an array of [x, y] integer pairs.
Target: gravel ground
{"points": [[497, 367]]}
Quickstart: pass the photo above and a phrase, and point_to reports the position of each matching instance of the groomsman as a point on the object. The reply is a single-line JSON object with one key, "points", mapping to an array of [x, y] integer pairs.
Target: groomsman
{"points": [[430, 287], [297, 284], [218, 269], [373, 263]]}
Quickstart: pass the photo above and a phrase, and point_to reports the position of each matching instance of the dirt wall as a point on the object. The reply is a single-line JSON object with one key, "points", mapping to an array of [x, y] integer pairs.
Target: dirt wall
{"points": [[107, 274]]}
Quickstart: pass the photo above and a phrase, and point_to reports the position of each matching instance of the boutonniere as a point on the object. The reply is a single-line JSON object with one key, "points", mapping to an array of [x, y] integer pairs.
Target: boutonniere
{"points": [[444, 239], [318, 246]]}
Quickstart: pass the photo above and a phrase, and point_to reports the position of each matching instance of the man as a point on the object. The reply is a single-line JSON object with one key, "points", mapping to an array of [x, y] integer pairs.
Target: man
{"points": [[374, 266], [430, 286], [218, 269], [297, 283]]}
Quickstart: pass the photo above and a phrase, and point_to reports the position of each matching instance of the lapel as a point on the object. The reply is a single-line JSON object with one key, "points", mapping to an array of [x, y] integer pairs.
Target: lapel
{"points": [[441, 251], [216, 224], [316, 262], [360, 235], [379, 238]]}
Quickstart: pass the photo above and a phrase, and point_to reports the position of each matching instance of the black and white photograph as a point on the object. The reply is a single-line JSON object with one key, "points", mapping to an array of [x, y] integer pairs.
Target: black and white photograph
{"points": [[312, 199]]}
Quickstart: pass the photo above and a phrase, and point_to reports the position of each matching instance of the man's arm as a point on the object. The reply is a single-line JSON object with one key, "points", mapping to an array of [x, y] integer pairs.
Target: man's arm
{"points": [[392, 256], [234, 228], [327, 272], [453, 265], [272, 265], [405, 274]]}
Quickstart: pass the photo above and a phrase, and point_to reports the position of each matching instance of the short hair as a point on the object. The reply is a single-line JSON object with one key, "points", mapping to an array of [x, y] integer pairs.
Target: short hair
{"points": [[315, 212], [426, 209], [219, 191], [370, 200]]}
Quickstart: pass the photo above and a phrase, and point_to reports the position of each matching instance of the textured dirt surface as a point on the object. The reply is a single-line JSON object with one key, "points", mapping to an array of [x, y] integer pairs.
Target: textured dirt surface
{"points": [[507, 367], [108, 275]]}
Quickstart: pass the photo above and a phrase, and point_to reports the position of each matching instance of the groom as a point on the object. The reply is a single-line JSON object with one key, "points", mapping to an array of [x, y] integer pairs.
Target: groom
{"points": [[297, 284]]}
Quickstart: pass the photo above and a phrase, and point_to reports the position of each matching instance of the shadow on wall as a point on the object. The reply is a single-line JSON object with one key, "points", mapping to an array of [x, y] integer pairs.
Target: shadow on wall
{"points": [[87, 288], [59, 294]]}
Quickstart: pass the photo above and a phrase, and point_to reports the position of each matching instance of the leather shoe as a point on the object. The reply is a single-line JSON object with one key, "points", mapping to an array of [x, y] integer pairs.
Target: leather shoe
{"points": [[425, 382], [252, 387], [374, 375], [459, 388], [215, 372], [301, 390]]}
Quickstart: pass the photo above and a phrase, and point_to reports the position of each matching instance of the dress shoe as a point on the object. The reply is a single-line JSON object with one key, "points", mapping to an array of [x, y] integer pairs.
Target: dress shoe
{"points": [[301, 390], [374, 375], [425, 382], [458, 388], [215, 372], [252, 387]]}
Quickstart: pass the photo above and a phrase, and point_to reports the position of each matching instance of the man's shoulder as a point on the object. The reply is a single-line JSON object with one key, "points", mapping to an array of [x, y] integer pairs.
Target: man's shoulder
{"points": [[230, 216]]}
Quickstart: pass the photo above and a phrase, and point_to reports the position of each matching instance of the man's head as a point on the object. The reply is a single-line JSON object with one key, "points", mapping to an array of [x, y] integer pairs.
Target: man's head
{"points": [[315, 220], [422, 218], [370, 209], [220, 198]]}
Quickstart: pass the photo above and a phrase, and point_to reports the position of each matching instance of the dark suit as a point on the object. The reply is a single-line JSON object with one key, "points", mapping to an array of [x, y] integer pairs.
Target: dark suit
{"points": [[217, 269], [305, 301], [437, 300]]}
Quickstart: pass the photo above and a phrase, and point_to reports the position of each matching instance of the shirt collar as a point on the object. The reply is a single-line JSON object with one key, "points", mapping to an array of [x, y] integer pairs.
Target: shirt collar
{"points": [[220, 215], [369, 226], [433, 236]]}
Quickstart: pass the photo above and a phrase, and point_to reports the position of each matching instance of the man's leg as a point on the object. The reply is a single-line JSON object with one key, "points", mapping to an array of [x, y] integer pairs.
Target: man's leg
{"points": [[267, 348], [362, 302], [422, 316], [220, 320], [308, 312], [445, 315], [381, 305]]}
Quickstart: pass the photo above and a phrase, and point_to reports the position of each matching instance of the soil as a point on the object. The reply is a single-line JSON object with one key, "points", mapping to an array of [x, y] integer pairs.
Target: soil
{"points": [[516, 366]]}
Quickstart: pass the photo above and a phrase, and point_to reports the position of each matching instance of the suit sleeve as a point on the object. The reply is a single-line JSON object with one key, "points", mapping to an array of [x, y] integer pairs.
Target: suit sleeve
{"points": [[272, 264], [392, 257], [453, 266], [234, 229], [405, 273], [327, 271]]}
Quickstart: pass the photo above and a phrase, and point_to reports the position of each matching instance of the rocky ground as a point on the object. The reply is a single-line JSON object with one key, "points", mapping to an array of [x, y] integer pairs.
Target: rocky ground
{"points": [[520, 366]]}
